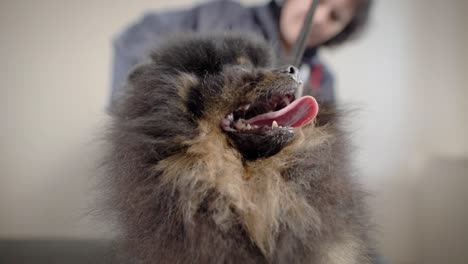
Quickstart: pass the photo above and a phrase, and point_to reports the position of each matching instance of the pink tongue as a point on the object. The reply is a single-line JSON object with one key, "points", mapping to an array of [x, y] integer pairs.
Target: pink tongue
{"points": [[297, 113]]}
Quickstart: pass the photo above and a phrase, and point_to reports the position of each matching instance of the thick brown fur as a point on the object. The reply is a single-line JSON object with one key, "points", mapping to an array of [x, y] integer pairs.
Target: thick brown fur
{"points": [[183, 192]]}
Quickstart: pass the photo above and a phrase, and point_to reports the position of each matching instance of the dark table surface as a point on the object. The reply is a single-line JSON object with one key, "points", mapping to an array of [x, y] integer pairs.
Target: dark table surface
{"points": [[55, 251]]}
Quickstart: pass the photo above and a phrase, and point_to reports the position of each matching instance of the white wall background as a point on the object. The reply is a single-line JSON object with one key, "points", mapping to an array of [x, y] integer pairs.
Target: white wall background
{"points": [[408, 76]]}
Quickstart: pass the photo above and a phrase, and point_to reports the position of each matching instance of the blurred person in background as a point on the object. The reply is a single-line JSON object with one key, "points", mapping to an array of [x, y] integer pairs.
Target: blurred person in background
{"points": [[279, 22]]}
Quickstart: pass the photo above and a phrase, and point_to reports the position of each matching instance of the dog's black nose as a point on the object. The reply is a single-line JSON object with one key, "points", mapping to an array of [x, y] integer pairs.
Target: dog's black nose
{"points": [[294, 72], [291, 71]]}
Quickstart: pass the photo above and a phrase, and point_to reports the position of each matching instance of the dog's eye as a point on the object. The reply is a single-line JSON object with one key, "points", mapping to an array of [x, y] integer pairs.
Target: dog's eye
{"points": [[244, 61], [195, 102]]}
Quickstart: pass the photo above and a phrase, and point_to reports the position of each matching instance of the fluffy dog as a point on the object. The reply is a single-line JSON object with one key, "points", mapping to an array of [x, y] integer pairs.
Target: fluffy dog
{"points": [[213, 160]]}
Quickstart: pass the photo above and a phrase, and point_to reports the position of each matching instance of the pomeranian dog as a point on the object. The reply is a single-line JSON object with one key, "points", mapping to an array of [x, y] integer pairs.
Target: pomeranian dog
{"points": [[212, 159]]}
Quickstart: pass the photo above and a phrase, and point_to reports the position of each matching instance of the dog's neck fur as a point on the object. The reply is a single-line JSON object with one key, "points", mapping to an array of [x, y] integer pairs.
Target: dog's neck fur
{"points": [[258, 192]]}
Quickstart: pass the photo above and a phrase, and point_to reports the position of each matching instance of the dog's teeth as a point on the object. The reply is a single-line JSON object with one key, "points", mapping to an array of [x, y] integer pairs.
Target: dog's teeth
{"points": [[248, 126], [239, 124], [274, 124], [246, 107], [243, 125], [230, 117]]}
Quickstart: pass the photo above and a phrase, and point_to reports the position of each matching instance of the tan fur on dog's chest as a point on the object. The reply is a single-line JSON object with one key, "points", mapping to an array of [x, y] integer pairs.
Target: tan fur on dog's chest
{"points": [[257, 191]]}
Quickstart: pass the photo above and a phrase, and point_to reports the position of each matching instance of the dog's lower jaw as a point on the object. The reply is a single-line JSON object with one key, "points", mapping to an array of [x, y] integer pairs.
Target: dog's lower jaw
{"points": [[261, 144]]}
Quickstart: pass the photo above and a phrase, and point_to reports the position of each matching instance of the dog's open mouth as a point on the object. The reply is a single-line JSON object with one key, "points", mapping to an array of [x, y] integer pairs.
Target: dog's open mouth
{"points": [[262, 128], [280, 111]]}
